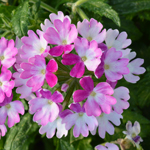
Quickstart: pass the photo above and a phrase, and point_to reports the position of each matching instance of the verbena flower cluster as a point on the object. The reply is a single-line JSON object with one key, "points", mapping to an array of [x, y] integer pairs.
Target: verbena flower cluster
{"points": [[86, 61]]}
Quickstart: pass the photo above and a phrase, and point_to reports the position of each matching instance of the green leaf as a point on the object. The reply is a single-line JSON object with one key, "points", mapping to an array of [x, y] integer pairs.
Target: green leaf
{"points": [[134, 116], [130, 6], [102, 9], [65, 145], [20, 19], [84, 144], [20, 136]]}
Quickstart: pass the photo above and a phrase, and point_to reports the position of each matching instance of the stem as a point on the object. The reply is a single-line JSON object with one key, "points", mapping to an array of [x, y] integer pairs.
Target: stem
{"points": [[45, 6], [69, 93], [81, 13], [80, 2]]}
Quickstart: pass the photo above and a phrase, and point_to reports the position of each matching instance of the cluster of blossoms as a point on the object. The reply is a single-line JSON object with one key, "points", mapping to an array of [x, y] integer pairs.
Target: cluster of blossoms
{"points": [[74, 58]]}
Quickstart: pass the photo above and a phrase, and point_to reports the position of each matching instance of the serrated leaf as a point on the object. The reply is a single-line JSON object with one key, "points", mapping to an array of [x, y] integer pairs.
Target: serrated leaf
{"points": [[102, 9], [130, 6], [20, 19], [20, 136]]}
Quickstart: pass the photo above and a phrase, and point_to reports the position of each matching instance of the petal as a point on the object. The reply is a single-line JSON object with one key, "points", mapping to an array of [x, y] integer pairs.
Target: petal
{"points": [[70, 59], [51, 79], [57, 97], [52, 66], [78, 70], [80, 95], [56, 51], [87, 83]]}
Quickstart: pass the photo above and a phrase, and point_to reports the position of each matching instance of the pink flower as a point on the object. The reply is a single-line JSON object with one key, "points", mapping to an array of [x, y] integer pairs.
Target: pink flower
{"points": [[34, 45], [104, 124], [122, 96], [21, 85], [110, 146], [6, 86], [12, 110], [82, 123], [53, 17], [99, 98], [62, 35], [7, 52], [51, 127], [134, 68], [118, 41], [3, 130], [88, 55], [112, 65], [91, 30], [37, 71], [45, 107]]}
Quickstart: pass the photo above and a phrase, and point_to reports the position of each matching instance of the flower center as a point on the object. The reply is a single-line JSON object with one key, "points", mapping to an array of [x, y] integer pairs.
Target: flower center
{"points": [[89, 38], [50, 102], [2, 58], [64, 42], [93, 93], [133, 135], [84, 58], [81, 114], [106, 67], [8, 106], [43, 71], [1, 83], [42, 50]]}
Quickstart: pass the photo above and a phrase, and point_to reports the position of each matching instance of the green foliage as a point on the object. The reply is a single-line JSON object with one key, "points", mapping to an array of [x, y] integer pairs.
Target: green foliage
{"points": [[102, 9], [20, 136], [130, 6], [20, 19]]}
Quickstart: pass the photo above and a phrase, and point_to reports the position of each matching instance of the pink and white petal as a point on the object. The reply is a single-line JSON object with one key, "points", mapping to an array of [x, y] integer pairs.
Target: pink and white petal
{"points": [[26, 74], [111, 146], [2, 94], [57, 97], [36, 104], [51, 79], [72, 34], [84, 130], [112, 76], [78, 70], [18, 106], [83, 28], [111, 36], [70, 59], [131, 78], [52, 36], [100, 147], [126, 43], [13, 117], [104, 87], [80, 95], [3, 130], [100, 37], [3, 115], [92, 64], [91, 105], [87, 83], [70, 120]]}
